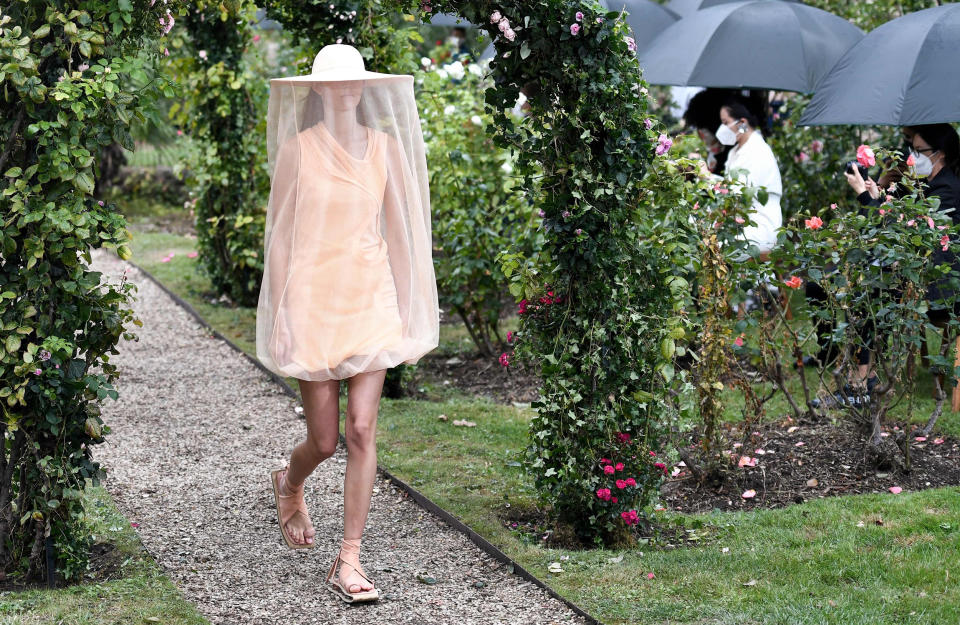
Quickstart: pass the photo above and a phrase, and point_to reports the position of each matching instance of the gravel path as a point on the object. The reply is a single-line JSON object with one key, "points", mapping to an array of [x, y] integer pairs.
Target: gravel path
{"points": [[196, 431]]}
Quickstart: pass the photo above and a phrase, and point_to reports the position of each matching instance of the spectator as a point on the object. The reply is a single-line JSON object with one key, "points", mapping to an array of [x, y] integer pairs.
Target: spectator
{"points": [[751, 161]]}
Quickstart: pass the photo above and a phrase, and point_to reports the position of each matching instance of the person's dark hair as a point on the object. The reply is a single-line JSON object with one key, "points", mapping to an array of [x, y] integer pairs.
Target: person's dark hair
{"points": [[942, 137], [738, 110], [704, 107]]}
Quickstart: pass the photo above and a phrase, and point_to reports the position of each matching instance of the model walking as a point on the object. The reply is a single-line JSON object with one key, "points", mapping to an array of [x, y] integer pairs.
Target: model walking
{"points": [[348, 286]]}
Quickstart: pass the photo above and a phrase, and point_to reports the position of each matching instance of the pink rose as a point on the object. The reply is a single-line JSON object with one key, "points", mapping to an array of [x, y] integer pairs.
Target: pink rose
{"points": [[509, 34], [814, 223], [663, 144], [574, 29], [609, 470], [619, 466], [802, 157], [495, 17], [793, 282], [631, 481], [504, 25], [579, 16], [945, 242], [911, 161], [621, 484], [739, 341], [816, 146], [865, 156]]}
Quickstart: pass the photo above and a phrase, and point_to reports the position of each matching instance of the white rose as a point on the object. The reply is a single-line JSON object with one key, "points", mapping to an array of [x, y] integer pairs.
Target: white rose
{"points": [[455, 70], [475, 69], [476, 120], [426, 62], [509, 34], [442, 74], [507, 167], [449, 109]]}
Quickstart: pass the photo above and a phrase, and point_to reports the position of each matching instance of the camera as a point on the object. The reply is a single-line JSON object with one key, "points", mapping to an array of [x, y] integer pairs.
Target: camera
{"points": [[864, 172]]}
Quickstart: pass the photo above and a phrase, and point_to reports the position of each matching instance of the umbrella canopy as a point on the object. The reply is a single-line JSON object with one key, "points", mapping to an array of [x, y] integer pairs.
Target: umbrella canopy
{"points": [[647, 19], [905, 72], [761, 44], [448, 19], [684, 8]]}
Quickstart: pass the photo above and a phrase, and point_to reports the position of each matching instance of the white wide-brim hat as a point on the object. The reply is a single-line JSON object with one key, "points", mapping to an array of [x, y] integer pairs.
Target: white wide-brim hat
{"points": [[339, 62]]}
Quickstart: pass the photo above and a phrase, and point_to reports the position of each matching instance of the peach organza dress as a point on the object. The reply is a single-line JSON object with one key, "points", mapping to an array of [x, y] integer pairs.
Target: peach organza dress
{"points": [[348, 281], [345, 291]]}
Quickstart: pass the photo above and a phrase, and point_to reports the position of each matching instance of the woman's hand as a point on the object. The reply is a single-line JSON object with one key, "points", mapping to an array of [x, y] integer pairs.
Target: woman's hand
{"points": [[703, 169], [872, 188], [855, 180]]}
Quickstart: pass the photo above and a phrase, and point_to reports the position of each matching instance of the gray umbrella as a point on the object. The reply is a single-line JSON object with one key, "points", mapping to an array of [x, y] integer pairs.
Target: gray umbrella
{"points": [[647, 19], [905, 72], [684, 8], [448, 19], [761, 44]]}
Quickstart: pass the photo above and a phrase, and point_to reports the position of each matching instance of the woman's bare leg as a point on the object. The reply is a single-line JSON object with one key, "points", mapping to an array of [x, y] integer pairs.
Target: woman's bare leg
{"points": [[360, 430], [322, 411]]}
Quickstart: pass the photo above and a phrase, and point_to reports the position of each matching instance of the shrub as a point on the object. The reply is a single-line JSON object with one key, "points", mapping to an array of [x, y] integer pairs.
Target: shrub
{"points": [[68, 79], [875, 266]]}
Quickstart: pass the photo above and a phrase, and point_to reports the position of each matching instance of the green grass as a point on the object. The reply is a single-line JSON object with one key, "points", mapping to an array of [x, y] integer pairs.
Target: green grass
{"points": [[139, 594], [802, 558], [812, 564]]}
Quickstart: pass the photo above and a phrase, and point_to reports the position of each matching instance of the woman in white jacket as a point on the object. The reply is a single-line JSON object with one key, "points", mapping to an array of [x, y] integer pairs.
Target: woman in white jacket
{"points": [[757, 168]]}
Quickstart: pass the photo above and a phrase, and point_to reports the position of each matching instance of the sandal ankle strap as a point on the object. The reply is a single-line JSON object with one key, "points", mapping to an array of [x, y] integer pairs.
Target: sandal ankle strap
{"points": [[353, 543]]}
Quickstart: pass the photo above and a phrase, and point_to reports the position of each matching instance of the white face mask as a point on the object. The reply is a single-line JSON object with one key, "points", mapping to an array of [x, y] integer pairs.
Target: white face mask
{"points": [[725, 135], [922, 164]]}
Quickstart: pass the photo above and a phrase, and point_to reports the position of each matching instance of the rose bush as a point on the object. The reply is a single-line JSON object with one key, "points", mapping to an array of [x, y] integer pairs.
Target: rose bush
{"points": [[875, 266]]}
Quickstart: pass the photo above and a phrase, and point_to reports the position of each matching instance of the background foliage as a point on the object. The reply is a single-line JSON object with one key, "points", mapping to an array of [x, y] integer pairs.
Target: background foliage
{"points": [[223, 111], [477, 207]]}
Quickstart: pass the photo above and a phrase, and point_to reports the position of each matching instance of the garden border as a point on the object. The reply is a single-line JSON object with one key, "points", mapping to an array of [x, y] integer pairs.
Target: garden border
{"points": [[421, 499]]}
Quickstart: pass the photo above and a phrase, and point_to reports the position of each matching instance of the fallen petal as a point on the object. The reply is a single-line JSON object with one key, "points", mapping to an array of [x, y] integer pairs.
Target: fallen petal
{"points": [[749, 494], [896, 490]]}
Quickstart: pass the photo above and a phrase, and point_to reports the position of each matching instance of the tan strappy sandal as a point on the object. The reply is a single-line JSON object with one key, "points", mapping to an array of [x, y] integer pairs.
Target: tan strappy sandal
{"points": [[333, 581], [301, 509]]}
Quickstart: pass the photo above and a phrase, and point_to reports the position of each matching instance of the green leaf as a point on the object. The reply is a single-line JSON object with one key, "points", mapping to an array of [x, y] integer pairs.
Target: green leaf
{"points": [[84, 182], [12, 344], [524, 50]]}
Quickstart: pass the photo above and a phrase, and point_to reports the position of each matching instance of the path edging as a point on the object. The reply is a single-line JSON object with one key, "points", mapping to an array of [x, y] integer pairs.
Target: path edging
{"points": [[451, 520]]}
